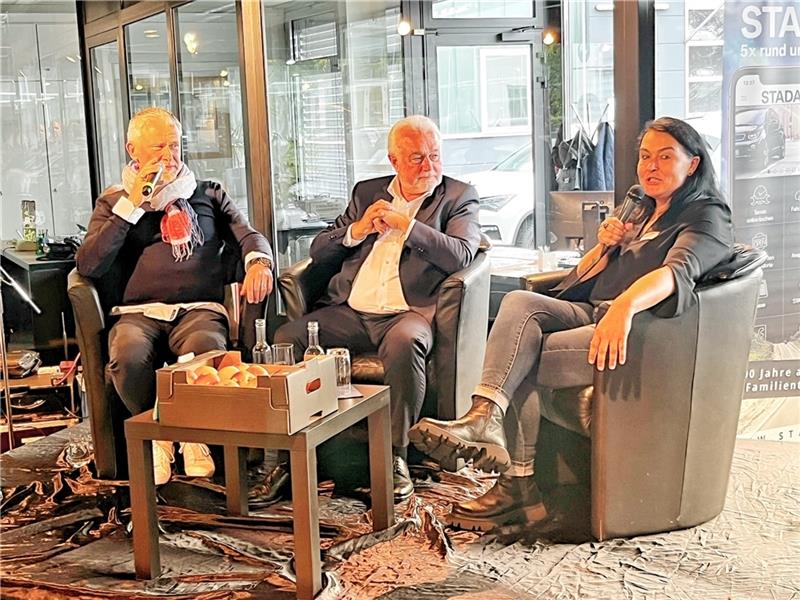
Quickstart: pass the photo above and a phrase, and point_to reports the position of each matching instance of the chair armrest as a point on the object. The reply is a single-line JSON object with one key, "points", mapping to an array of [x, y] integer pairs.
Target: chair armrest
{"points": [[460, 328], [90, 329], [664, 424], [299, 288], [542, 283]]}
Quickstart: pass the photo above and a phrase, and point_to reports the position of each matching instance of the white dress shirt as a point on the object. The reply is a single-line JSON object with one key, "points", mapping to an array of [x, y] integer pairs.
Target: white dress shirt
{"points": [[377, 288]]}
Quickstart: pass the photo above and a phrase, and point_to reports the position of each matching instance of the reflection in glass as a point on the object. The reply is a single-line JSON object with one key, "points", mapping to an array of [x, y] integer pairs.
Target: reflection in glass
{"points": [[484, 104], [485, 116], [334, 87], [148, 63], [43, 143], [108, 113], [210, 95], [705, 61], [706, 24], [482, 9], [704, 97]]}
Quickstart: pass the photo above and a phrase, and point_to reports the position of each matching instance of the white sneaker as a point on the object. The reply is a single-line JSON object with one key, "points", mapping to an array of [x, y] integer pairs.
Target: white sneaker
{"points": [[163, 457], [197, 461]]}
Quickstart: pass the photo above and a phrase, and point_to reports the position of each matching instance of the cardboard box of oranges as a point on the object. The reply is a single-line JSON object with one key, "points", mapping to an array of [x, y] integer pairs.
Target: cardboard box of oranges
{"points": [[216, 390]]}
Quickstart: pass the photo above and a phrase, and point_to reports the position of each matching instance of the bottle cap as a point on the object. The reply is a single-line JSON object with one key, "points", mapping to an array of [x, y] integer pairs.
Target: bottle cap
{"points": [[313, 326]]}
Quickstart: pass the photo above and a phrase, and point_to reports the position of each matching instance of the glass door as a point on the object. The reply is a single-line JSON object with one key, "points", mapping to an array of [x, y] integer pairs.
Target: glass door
{"points": [[109, 118], [488, 99]]}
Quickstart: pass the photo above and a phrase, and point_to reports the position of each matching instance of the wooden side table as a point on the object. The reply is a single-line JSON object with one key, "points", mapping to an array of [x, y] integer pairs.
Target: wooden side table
{"points": [[141, 430]]}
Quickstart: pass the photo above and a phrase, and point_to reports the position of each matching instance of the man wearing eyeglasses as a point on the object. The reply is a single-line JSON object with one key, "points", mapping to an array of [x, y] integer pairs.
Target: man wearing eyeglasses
{"points": [[399, 238]]}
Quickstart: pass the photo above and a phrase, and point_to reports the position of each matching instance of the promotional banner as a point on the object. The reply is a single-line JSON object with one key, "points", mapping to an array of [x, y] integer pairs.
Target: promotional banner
{"points": [[761, 174]]}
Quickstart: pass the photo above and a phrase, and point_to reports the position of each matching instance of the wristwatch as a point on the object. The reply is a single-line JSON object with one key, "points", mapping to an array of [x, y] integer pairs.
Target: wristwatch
{"points": [[261, 260]]}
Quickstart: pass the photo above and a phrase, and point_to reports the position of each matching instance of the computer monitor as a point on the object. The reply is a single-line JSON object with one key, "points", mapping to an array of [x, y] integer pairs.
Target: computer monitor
{"points": [[572, 216]]}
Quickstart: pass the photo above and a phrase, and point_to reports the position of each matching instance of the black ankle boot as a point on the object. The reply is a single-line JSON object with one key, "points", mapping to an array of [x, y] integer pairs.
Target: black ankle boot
{"points": [[511, 500], [478, 435]]}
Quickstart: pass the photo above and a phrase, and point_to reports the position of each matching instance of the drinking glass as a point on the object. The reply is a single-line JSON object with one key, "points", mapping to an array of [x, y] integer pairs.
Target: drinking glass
{"points": [[79, 452], [342, 357], [283, 354]]}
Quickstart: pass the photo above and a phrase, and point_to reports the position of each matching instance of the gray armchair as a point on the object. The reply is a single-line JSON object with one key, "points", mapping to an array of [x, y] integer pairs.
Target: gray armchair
{"points": [[92, 300], [460, 327], [654, 438]]}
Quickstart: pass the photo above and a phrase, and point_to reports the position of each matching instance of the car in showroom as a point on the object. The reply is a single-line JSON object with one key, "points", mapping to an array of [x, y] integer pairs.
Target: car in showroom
{"points": [[506, 199], [759, 136]]}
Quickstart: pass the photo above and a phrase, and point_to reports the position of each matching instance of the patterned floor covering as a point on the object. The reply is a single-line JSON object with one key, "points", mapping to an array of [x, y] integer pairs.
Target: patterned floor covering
{"points": [[65, 534]]}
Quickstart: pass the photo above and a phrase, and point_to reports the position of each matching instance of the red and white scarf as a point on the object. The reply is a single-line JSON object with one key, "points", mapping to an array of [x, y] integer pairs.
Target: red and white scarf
{"points": [[179, 226]]}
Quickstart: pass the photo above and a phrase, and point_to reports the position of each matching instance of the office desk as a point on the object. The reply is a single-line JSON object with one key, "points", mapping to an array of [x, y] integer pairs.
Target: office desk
{"points": [[46, 282]]}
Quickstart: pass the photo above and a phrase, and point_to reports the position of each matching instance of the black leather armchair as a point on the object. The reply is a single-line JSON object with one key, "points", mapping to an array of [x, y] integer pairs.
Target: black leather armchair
{"points": [[92, 300], [460, 327], [654, 438]]}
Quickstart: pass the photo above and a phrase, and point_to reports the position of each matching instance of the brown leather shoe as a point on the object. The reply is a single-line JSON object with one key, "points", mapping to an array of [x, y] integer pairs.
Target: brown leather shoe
{"points": [[403, 486], [478, 435], [511, 500], [276, 485]]}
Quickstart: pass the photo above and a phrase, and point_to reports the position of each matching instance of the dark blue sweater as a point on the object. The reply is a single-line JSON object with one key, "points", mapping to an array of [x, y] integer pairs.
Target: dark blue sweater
{"points": [[156, 276]]}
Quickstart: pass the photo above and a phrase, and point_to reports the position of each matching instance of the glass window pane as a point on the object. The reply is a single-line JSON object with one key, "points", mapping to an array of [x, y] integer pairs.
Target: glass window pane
{"points": [[484, 97], [482, 9], [705, 61], [43, 145], [334, 87], [689, 67], [210, 95], [704, 97], [108, 99], [705, 24], [148, 62]]}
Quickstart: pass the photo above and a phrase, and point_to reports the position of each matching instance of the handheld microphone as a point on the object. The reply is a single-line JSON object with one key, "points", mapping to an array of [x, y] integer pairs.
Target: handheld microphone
{"points": [[631, 210], [636, 208], [152, 180]]}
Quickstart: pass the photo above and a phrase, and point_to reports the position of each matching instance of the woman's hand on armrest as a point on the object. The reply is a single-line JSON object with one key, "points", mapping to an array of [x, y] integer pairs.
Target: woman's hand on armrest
{"points": [[610, 341]]}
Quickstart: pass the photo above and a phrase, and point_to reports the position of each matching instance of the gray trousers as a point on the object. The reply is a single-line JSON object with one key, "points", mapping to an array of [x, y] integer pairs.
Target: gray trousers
{"points": [[518, 363], [402, 341], [136, 344]]}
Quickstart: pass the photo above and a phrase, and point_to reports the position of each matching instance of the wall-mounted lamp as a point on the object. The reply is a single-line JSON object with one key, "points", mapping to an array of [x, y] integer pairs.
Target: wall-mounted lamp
{"points": [[403, 27], [549, 38], [192, 42]]}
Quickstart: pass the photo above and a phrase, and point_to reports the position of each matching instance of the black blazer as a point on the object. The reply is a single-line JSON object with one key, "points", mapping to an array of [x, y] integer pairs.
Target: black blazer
{"points": [[444, 240]]}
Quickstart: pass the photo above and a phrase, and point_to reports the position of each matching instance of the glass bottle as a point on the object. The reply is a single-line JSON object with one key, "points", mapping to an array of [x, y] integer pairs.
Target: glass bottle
{"points": [[314, 349], [261, 352]]}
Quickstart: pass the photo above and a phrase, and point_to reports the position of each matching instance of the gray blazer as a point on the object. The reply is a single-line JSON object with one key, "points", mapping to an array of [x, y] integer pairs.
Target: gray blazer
{"points": [[444, 240]]}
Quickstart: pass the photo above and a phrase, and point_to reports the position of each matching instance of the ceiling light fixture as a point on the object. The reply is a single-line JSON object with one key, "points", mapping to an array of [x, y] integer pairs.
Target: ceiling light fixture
{"points": [[192, 42], [403, 27]]}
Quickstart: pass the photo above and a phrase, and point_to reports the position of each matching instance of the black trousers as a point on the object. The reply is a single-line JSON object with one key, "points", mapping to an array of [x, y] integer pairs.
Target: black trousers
{"points": [[136, 343], [403, 341]]}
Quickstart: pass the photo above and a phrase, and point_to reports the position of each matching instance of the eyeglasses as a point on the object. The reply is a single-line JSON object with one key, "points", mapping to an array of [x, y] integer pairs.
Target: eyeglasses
{"points": [[418, 159]]}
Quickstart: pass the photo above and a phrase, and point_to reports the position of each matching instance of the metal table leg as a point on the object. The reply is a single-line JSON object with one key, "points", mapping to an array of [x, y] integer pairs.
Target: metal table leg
{"points": [[306, 520], [380, 469], [146, 556], [236, 480]]}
